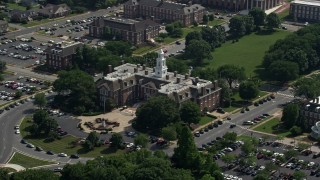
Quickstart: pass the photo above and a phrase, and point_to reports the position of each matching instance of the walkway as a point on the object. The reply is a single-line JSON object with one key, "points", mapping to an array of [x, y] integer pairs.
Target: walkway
{"points": [[13, 166]]}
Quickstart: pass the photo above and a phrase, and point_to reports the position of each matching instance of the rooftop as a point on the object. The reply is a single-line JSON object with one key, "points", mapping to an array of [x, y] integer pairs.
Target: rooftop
{"points": [[171, 83], [307, 2], [121, 20]]}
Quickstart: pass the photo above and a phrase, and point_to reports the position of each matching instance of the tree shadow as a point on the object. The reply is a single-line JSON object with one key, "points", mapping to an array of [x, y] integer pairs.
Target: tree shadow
{"points": [[264, 32]]}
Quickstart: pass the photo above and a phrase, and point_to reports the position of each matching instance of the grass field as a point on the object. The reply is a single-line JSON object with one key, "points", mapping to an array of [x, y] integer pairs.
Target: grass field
{"points": [[65, 144], [247, 53], [215, 22], [205, 120], [27, 162], [16, 6], [271, 127], [8, 169]]}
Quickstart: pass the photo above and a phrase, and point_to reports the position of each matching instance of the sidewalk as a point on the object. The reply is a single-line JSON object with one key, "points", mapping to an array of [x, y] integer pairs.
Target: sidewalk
{"points": [[13, 166]]}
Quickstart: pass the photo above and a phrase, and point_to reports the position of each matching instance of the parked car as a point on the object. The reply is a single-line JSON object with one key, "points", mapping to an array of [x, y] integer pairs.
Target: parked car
{"points": [[58, 169], [50, 153], [39, 148], [23, 141], [74, 156], [62, 155], [30, 145]]}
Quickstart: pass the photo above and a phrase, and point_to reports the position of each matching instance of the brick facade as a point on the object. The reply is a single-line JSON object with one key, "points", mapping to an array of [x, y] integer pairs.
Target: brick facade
{"points": [[136, 32]]}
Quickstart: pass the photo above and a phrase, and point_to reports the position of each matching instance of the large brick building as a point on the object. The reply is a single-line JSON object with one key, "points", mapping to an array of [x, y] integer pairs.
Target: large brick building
{"points": [[136, 32], [311, 111], [305, 10], [129, 83], [164, 11], [238, 5], [60, 56]]}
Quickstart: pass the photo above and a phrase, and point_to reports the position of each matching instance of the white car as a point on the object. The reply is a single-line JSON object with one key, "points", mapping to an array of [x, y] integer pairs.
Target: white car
{"points": [[16, 127], [130, 145], [17, 131], [62, 155]]}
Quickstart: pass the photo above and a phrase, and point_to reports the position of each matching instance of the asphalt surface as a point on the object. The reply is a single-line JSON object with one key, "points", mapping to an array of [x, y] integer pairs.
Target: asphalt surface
{"points": [[8, 119], [60, 21], [269, 107]]}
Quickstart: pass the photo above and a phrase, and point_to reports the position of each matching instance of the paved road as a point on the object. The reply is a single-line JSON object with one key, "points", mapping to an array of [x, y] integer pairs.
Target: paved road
{"points": [[238, 118], [30, 73], [78, 17], [8, 119]]}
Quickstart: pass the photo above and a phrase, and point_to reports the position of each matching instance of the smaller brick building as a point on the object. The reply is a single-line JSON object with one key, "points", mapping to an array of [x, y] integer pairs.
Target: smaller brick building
{"points": [[305, 10], [60, 56], [311, 111], [164, 11], [136, 32], [130, 83]]}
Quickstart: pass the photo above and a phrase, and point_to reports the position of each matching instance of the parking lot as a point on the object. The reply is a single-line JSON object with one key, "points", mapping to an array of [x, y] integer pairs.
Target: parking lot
{"points": [[21, 52], [13, 83], [269, 152]]}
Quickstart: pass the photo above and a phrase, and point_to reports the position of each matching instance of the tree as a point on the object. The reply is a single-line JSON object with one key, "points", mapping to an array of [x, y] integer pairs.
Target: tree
{"points": [[247, 147], [228, 158], [299, 175], [76, 91], [231, 73], [165, 109], [190, 112], [207, 177], [248, 90], [198, 50], [272, 20], [74, 172], [215, 36], [211, 17], [3, 66], [295, 130], [217, 175], [92, 140], [42, 123], [40, 100], [169, 133], [116, 140], [230, 137], [4, 174], [307, 87], [177, 65], [248, 23], [303, 146], [258, 15], [271, 167], [261, 176], [141, 140], [119, 48], [186, 153], [237, 27], [205, 19], [35, 174], [194, 35], [18, 94], [290, 154], [226, 93], [290, 115], [283, 71]]}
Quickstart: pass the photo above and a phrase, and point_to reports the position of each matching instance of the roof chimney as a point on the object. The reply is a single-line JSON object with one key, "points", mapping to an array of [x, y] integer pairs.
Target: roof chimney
{"points": [[135, 70], [146, 72], [186, 76], [178, 79], [197, 80], [143, 67], [167, 77], [154, 69], [122, 62], [175, 73], [110, 69], [138, 66]]}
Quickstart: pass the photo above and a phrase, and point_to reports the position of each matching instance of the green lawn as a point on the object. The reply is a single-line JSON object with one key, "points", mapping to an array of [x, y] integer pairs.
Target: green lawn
{"points": [[215, 22], [244, 138], [271, 127], [145, 49], [248, 52], [8, 169], [27, 162], [65, 144], [238, 98], [284, 14], [205, 120], [16, 6], [35, 22]]}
